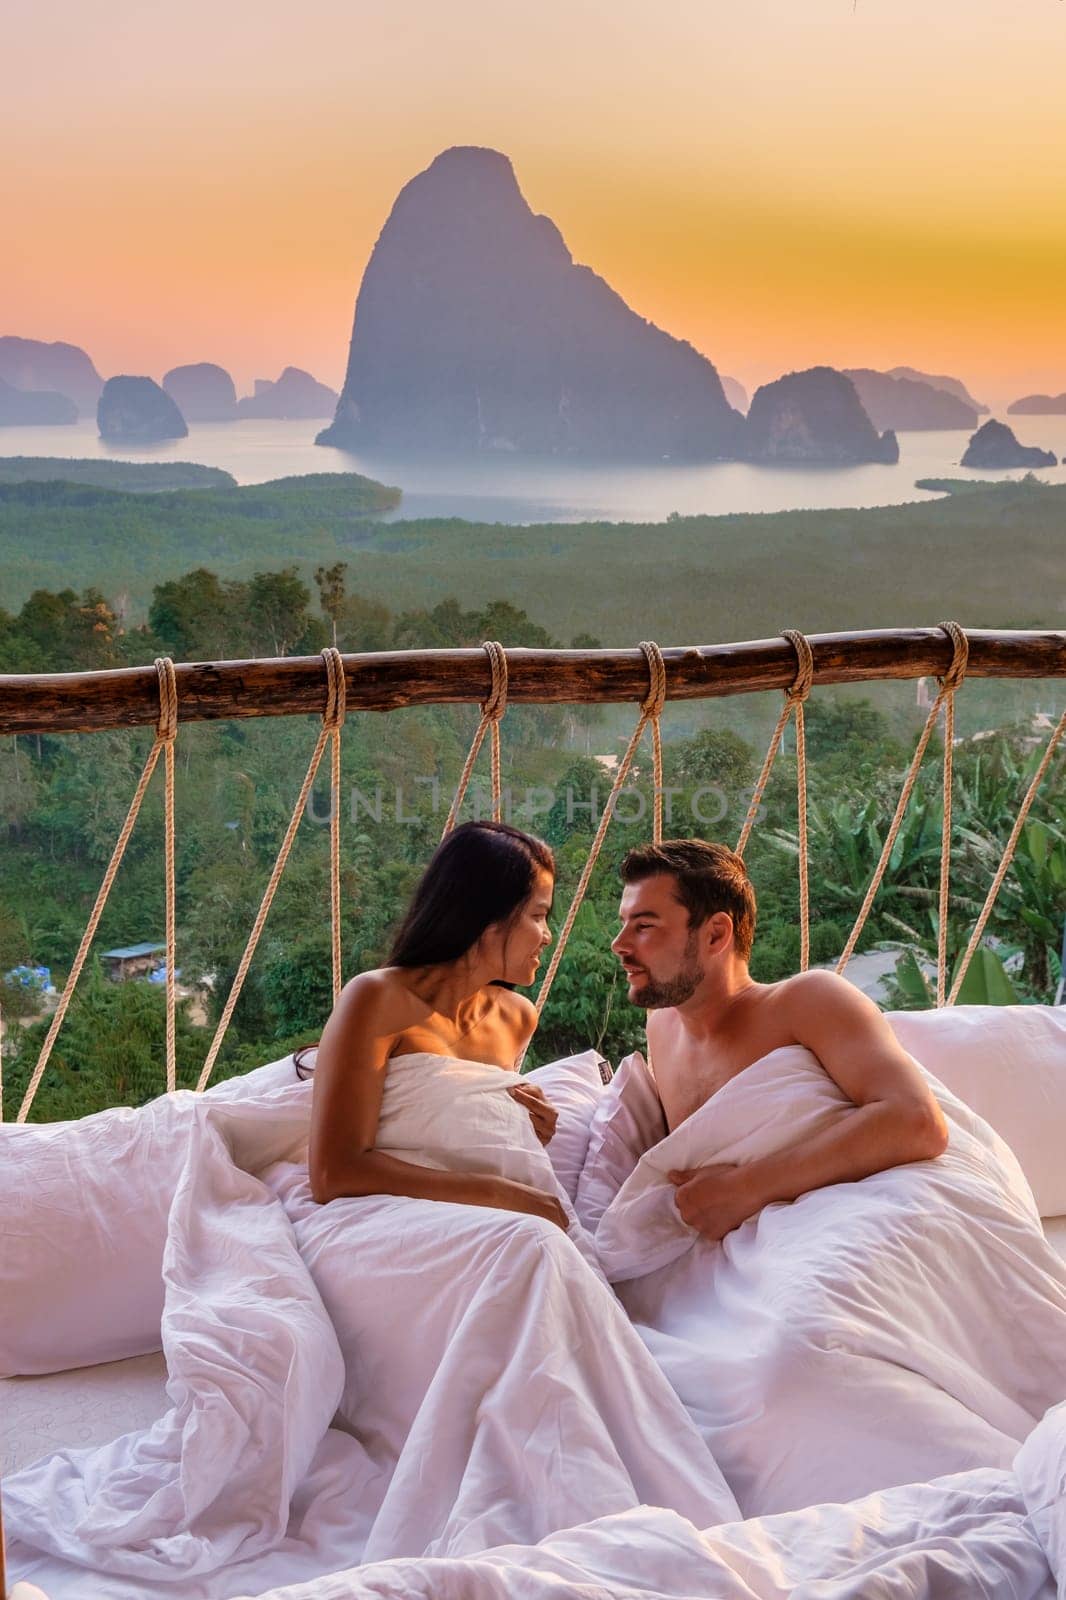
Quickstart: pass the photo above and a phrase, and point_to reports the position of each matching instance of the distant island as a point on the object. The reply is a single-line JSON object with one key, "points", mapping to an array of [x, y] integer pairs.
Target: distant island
{"points": [[294, 394], [939, 380], [994, 446], [1039, 405], [132, 477], [136, 410], [32, 365], [814, 417], [909, 404], [34, 407], [202, 392]]}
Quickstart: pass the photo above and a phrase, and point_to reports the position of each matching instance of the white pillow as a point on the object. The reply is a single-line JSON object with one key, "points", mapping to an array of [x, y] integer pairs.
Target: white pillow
{"points": [[574, 1085], [628, 1120], [83, 1220], [1008, 1064]]}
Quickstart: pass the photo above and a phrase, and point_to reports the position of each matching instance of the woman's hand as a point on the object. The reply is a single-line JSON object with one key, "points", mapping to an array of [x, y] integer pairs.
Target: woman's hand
{"points": [[522, 1197], [542, 1113]]}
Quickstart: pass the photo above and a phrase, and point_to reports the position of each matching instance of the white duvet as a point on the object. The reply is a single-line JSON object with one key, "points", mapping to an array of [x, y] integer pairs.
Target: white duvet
{"points": [[499, 1427], [865, 1335]]}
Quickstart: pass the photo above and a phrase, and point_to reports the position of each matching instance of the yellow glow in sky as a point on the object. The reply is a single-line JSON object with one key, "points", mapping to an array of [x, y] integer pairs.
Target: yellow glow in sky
{"points": [[784, 182]]}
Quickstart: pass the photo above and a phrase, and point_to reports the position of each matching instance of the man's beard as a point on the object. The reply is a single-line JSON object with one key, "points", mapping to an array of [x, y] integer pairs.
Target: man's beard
{"points": [[659, 992]]}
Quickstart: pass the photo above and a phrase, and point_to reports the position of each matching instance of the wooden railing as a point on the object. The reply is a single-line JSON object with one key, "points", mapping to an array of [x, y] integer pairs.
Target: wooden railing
{"points": [[389, 680]]}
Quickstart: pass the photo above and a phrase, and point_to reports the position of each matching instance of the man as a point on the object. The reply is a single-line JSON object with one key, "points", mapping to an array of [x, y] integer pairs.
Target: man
{"points": [[688, 920]]}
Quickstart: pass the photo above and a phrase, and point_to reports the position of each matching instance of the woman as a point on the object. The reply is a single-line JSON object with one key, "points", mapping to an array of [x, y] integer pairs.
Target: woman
{"points": [[476, 927]]}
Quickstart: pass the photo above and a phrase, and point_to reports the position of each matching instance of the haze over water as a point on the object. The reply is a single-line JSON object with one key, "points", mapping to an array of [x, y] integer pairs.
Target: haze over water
{"points": [[504, 488]]}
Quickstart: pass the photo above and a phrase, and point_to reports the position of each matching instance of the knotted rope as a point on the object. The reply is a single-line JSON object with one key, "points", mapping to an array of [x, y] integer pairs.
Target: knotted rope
{"points": [[166, 733], [332, 721], [948, 685], [794, 699], [1007, 857], [492, 711], [650, 711]]}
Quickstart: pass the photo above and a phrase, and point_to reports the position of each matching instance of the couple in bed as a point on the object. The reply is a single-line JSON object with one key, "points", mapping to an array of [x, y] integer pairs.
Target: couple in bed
{"points": [[836, 1266], [477, 929]]}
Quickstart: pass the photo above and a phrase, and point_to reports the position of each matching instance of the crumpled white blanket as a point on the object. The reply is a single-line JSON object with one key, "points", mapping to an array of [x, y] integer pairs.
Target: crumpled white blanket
{"points": [[490, 1384], [501, 1431], [893, 1330]]}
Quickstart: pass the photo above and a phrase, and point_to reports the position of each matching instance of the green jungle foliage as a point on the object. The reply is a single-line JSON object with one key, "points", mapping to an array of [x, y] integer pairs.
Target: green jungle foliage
{"points": [[63, 799], [991, 558]]}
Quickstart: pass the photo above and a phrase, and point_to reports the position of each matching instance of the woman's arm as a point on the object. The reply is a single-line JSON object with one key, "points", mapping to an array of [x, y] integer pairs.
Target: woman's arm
{"points": [[349, 1083]]}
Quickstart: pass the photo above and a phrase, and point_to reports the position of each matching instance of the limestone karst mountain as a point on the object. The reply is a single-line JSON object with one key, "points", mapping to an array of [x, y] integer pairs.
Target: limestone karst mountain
{"points": [[1038, 405], [476, 330], [34, 407], [295, 394], [202, 392], [908, 405], [940, 380], [994, 446], [59, 368], [137, 411], [814, 418]]}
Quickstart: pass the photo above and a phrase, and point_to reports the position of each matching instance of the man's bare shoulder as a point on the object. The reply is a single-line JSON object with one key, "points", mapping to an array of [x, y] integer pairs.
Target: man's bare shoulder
{"points": [[807, 993]]}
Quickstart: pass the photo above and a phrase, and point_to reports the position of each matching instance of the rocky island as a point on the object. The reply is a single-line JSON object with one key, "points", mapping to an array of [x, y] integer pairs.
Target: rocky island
{"points": [[138, 411], [202, 392], [64, 369], [1039, 405], [995, 446], [476, 330], [33, 407], [814, 418], [940, 380], [295, 394], [909, 404]]}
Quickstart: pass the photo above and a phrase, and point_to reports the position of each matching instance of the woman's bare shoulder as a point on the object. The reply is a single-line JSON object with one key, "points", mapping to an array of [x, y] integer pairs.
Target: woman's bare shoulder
{"points": [[381, 1000], [518, 1012]]}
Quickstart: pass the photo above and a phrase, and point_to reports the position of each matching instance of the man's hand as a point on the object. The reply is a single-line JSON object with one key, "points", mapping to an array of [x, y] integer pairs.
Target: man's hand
{"points": [[714, 1200], [542, 1113]]}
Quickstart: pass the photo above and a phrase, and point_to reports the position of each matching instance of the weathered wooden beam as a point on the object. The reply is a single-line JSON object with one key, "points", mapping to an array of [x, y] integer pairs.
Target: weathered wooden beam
{"points": [[387, 681]]}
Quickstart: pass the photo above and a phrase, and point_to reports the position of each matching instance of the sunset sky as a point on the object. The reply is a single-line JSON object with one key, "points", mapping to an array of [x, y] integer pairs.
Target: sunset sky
{"points": [[783, 182]]}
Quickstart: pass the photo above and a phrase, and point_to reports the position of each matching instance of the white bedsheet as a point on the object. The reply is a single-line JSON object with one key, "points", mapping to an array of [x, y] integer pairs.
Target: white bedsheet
{"points": [[502, 1432], [492, 1383], [869, 1334]]}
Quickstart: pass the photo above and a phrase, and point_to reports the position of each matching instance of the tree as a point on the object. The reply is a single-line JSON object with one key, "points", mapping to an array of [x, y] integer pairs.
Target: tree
{"points": [[331, 591]]}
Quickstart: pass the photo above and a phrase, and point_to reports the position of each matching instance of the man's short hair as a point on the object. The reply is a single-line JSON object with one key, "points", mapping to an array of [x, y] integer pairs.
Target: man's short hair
{"points": [[710, 878]]}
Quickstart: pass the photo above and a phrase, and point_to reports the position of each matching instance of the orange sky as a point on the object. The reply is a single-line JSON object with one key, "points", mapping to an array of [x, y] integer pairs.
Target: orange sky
{"points": [[783, 182]]}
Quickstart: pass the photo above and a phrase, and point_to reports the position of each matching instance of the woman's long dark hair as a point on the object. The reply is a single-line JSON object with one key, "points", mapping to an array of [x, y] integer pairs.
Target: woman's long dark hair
{"points": [[480, 874]]}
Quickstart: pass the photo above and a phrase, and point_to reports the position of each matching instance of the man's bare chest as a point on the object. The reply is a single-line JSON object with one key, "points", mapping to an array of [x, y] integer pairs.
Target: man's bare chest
{"points": [[687, 1075]]}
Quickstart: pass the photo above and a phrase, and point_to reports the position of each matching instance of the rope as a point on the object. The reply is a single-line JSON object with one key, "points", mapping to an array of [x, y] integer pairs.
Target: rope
{"points": [[166, 730], [650, 710], [492, 710], [794, 698], [948, 685], [332, 718], [1008, 854]]}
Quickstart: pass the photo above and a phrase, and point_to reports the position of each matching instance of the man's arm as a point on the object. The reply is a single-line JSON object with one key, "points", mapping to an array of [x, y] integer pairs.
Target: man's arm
{"points": [[895, 1120]]}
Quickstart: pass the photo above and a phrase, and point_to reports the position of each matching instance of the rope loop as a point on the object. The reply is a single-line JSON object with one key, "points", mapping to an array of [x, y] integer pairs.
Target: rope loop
{"points": [[801, 688], [336, 689], [652, 704], [166, 728], [494, 707], [952, 679]]}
